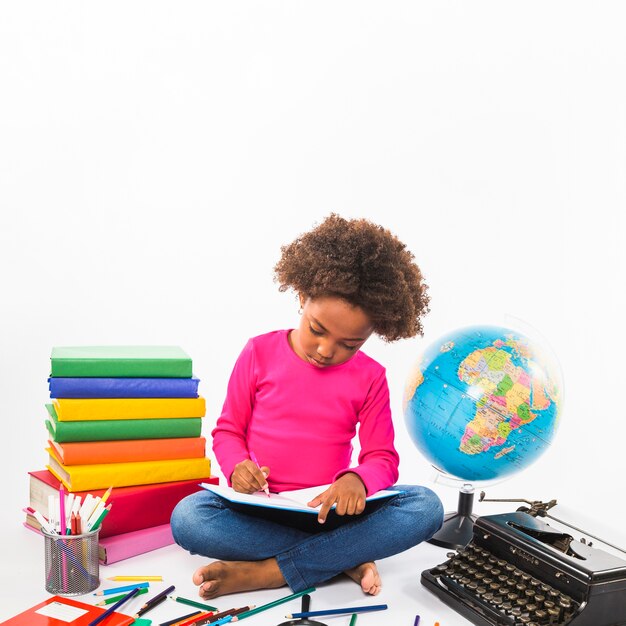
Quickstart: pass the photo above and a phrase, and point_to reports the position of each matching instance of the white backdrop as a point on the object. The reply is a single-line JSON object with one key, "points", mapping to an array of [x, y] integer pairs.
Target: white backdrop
{"points": [[154, 157]]}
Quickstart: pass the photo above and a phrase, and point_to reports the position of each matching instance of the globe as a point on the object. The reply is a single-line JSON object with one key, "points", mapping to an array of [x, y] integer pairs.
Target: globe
{"points": [[483, 402]]}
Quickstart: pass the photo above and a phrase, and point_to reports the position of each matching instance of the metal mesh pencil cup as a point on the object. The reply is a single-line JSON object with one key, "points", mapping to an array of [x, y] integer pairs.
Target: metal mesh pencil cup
{"points": [[71, 563]]}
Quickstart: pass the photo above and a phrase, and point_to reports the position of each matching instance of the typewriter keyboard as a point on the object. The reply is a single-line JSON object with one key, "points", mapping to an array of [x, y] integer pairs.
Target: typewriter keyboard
{"points": [[501, 592]]}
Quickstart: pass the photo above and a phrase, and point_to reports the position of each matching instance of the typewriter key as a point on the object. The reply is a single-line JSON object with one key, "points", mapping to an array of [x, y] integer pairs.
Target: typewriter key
{"points": [[487, 580], [521, 602], [540, 615], [480, 562], [496, 571], [471, 571], [539, 598], [548, 604], [529, 593], [565, 603], [506, 606], [516, 611], [488, 596], [473, 585], [480, 590], [530, 607], [512, 596]]}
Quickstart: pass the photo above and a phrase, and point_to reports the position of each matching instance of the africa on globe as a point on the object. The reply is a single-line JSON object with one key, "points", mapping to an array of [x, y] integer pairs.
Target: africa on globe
{"points": [[483, 402]]}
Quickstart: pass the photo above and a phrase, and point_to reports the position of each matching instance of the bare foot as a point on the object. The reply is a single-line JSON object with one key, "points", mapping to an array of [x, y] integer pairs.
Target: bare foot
{"points": [[222, 577], [367, 576]]}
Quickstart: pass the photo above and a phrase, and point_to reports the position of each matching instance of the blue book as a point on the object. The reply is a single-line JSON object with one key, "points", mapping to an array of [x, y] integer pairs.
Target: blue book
{"points": [[123, 387]]}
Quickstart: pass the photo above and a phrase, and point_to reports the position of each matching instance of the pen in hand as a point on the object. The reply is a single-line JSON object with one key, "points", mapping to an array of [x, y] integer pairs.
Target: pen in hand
{"points": [[254, 460]]}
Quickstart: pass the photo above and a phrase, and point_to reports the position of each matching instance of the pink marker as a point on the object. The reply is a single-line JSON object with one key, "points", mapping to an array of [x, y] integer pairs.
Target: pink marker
{"points": [[254, 460]]}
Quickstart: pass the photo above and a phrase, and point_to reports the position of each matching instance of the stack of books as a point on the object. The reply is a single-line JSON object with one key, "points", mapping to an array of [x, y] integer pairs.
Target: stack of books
{"points": [[130, 418]]}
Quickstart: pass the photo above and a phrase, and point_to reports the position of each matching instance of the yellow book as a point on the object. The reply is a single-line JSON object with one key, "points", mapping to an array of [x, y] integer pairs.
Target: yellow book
{"points": [[103, 475], [79, 410]]}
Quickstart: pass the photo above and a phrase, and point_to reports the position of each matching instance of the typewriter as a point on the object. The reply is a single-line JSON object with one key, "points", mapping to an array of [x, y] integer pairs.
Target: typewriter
{"points": [[518, 570]]}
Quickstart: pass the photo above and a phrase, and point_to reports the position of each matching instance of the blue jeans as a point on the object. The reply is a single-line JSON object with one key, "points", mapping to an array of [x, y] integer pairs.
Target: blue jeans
{"points": [[203, 523]]}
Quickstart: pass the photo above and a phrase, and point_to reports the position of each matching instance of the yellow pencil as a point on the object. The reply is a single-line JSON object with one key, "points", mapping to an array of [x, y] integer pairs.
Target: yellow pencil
{"points": [[107, 493], [150, 578]]}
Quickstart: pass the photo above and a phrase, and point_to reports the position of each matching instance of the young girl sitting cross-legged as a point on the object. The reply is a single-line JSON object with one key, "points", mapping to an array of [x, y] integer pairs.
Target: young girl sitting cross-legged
{"points": [[294, 399]]}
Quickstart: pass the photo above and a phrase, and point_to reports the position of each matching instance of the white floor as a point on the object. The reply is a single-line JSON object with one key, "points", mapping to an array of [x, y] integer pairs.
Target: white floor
{"points": [[22, 584], [22, 579]]}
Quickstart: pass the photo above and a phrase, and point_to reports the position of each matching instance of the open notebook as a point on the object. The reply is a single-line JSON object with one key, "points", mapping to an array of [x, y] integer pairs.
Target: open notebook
{"points": [[294, 501]]}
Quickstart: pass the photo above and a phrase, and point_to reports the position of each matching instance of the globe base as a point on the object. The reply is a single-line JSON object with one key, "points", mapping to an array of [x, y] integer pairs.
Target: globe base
{"points": [[458, 527]]}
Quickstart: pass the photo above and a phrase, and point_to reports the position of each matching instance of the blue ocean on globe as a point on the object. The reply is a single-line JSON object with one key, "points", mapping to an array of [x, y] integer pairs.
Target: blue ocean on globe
{"points": [[483, 402]]}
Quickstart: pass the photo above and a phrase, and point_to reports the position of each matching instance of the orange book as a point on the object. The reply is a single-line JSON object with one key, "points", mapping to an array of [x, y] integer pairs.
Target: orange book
{"points": [[128, 451], [58, 611]]}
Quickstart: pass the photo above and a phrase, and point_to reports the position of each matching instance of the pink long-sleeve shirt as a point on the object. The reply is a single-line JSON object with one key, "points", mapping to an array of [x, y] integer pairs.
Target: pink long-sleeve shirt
{"points": [[300, 420]]}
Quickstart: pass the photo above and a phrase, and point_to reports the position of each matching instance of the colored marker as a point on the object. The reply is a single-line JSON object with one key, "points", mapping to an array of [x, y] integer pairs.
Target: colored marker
{"points": [[256, 462]]}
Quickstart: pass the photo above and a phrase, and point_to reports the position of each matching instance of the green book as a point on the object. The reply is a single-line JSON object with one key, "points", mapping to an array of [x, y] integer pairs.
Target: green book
{"points": [[103, 430], [120, 361]]}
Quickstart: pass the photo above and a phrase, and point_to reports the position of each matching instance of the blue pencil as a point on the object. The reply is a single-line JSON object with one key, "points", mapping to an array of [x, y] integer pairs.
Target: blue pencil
{"points": [[351, 609], [108, 612], [106, 592], [224, 620]]}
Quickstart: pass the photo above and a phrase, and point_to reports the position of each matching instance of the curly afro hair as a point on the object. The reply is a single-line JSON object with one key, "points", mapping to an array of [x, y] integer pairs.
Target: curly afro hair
{"points": [[365, 265]]}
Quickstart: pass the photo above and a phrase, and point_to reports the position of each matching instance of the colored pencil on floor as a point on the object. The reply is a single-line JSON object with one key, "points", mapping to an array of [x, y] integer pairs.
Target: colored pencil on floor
{"points": [[139, 578], [270, 605], [150, 604], [110, 610], [199, 605], [111, 599], [351, 609], [182, 619], [353, 619], [106, 592]]}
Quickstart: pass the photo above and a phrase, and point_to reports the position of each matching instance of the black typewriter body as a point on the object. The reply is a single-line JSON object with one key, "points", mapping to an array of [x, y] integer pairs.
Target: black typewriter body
{"points": [[517, 570]]}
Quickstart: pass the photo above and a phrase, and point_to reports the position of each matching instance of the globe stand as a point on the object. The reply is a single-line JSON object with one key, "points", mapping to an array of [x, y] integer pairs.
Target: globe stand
{"points": [[458, 527]]}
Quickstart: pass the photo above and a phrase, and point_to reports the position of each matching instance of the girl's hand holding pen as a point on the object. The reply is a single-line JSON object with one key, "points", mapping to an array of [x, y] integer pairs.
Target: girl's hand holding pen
{"points": [[248, 477], [347, 492]]}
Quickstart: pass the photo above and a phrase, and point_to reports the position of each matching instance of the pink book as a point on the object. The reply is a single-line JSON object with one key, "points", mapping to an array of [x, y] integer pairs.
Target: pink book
{"points": [[120, 547]]}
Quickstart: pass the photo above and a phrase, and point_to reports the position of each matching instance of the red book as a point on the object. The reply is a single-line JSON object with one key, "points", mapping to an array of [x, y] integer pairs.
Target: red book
{"points": [[58, 611], [134, 508]]}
